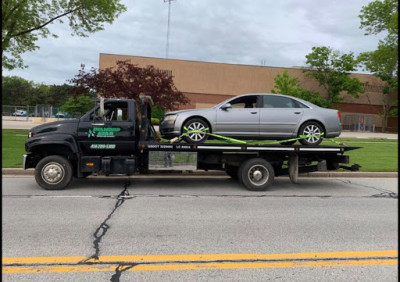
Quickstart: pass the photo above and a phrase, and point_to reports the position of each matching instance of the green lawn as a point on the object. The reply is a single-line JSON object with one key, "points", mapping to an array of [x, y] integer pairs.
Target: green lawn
{"points": [[375, 154]]}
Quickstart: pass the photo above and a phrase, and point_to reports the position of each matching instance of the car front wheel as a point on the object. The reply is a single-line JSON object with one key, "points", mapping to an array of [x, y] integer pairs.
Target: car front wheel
{"points": [[313, 130], [198, 126]]}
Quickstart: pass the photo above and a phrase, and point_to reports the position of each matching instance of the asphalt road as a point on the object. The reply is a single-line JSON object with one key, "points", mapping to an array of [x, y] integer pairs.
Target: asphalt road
{"points": [[323, 229]]}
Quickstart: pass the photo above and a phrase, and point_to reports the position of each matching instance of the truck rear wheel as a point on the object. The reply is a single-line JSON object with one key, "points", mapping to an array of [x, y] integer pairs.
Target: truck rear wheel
{"points": [[256, 174], [53, 172]]}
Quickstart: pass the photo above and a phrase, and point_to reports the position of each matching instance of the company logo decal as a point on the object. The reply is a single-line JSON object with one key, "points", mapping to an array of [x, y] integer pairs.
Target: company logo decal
{"points": [[103, 132]]}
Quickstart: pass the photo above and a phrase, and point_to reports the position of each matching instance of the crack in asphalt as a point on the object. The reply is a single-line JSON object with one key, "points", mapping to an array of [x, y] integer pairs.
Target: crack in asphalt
{"points": [[120, 269], [101, 231], [385, 193], [126, 265]]}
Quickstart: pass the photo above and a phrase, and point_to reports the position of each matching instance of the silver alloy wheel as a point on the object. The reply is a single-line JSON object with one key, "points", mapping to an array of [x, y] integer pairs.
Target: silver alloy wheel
{"points": [[258, 175], [313, 131], [196, 126], [53, 173]]}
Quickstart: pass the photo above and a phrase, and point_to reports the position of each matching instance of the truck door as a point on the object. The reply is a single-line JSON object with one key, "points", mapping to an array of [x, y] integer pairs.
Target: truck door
{"points": [[110, 134]]}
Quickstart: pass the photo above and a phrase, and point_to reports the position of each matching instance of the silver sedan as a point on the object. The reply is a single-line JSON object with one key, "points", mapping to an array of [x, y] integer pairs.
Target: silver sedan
{"points": [[255, 116]]}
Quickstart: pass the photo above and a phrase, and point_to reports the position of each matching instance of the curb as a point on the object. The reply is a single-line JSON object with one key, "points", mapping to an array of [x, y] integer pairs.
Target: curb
{"points": [[20, 171]]}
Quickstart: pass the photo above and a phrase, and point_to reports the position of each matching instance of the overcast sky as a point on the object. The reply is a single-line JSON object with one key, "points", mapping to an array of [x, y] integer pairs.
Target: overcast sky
{"points": [[254, 32]]}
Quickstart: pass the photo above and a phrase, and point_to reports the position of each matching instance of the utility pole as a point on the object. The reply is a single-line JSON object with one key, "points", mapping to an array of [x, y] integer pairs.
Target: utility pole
{"points": [[169, 16]]}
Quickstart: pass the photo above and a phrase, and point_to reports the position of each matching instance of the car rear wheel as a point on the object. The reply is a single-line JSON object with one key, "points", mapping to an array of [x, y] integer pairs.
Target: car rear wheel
{"points": [[196, 124], [53, 172], [312, 130]]}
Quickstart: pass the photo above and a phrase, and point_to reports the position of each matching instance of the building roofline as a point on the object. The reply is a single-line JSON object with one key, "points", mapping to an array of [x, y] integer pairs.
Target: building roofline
{"points": [[230, 64]]}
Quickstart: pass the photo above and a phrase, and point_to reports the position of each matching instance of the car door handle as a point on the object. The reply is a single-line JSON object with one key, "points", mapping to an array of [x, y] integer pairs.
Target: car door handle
{"points": [[297, 113], [253, 113]]}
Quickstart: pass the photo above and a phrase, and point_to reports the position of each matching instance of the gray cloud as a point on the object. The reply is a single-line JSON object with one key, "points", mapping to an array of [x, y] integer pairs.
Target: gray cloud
{"points": [[228, 31]]}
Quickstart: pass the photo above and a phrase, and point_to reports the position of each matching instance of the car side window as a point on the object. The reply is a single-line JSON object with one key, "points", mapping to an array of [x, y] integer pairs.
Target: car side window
{"points": [[244, 102], [271, 101]]}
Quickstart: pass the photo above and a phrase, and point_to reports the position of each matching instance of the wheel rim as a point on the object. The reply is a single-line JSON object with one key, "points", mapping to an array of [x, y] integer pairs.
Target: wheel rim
{"points": [[53, 173], [313, 132], [195, 136], [258, 175]]}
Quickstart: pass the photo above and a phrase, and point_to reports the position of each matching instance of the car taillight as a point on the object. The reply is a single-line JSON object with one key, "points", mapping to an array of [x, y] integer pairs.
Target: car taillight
{"points": [[30, 135], [338, 115]]}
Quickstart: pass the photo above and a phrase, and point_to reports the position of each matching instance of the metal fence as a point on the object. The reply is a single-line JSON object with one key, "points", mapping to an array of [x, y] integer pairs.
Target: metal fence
{"points": [[26, 112], [359, 122]]}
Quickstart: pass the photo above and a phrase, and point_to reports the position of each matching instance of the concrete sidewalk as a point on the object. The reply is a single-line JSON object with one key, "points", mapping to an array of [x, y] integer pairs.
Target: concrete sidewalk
{"points": [[23, 124]]}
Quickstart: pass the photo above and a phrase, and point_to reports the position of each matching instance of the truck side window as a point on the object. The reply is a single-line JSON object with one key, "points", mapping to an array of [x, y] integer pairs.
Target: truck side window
{"points": [[113, 111]]}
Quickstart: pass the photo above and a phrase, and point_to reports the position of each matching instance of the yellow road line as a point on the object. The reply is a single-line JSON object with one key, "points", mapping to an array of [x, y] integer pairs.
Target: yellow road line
{"points": [[194, 266], [199, 257]]}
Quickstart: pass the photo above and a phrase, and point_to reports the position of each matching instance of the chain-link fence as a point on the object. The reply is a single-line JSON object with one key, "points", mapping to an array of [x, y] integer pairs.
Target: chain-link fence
{"points": [[359, 122], [27, 112]]}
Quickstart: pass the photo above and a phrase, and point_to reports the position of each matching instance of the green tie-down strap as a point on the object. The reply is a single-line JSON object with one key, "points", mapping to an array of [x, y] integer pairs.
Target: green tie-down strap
{"points": [[233, 140]]}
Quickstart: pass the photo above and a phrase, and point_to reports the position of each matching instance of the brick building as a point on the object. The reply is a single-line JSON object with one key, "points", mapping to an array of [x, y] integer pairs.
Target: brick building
{"points": [[207, 84]]}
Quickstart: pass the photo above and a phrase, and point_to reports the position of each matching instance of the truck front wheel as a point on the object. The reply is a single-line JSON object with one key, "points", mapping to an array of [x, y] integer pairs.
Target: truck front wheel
{"points": [[53, 173], [256, 174]]}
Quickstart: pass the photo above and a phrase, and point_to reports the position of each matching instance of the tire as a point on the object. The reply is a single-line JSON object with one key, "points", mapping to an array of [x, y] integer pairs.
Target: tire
{"points": [[195, 124], [311, 128], [232, 171], [256, 174], [53, 173]]}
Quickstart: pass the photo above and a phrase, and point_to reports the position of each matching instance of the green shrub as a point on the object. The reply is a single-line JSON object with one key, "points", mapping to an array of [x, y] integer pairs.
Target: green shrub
{"points": [[157, 112], [155, 121], [394, 112]]}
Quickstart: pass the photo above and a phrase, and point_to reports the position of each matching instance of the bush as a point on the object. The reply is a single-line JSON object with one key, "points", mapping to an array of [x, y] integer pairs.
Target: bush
{"points": [[157, 112], [394, 112], [155, 121]]}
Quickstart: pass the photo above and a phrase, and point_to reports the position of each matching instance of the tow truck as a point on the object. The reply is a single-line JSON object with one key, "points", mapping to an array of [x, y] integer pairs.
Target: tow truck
{"points": [[117, 137]]}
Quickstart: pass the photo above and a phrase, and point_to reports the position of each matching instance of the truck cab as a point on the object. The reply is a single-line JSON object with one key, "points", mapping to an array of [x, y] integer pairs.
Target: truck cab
{"points": [[104, 139]]}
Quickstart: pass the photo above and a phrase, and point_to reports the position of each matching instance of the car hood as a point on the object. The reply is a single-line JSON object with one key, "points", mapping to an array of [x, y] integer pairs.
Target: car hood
{"points": [[185, 111]]}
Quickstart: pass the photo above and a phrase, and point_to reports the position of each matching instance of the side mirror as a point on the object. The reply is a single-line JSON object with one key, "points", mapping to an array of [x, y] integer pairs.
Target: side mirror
{"points": [[226, 106]]}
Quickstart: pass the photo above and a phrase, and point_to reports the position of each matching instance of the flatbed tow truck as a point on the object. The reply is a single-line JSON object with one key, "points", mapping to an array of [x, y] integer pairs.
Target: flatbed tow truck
{"points": [[117, 138]]}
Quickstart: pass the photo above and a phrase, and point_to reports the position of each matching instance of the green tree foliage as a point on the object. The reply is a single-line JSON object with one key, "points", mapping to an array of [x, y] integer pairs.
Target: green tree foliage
{"points": [[127, 80], [21, 92], [14, 90], [382, 16], [25, 21], [332, 70], [285, 84], [78, 104]]}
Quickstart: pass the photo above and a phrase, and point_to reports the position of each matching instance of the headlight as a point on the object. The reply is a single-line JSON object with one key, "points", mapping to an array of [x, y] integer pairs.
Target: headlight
{"points": [[170, 117]]}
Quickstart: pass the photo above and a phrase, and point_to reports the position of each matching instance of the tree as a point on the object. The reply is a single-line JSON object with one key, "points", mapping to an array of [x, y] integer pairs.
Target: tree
{"points": [[23, 22], [332, 70], [14, 89], [285, 84], [376, 17], [127, 80], [78, 104]]}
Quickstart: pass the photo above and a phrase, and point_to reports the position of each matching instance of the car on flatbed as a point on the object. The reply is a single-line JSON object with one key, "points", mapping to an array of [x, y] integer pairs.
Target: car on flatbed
{"points": [[255, 116]]}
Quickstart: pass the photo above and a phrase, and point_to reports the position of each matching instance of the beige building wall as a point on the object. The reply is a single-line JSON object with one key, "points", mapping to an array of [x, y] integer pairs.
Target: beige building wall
{"points": [[207, 84]]}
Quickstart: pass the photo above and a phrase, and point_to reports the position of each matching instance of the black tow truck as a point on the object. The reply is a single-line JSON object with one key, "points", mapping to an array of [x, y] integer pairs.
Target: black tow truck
{"points": [[116, 137]]}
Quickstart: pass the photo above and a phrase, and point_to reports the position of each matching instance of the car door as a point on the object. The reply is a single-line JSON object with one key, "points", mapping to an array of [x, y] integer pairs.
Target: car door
{"points": [[279, 116], [241, 119], [113, 134]]}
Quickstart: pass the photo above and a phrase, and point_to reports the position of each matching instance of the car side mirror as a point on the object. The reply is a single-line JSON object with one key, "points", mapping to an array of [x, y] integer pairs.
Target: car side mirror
{"points": [[226, 106]]}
